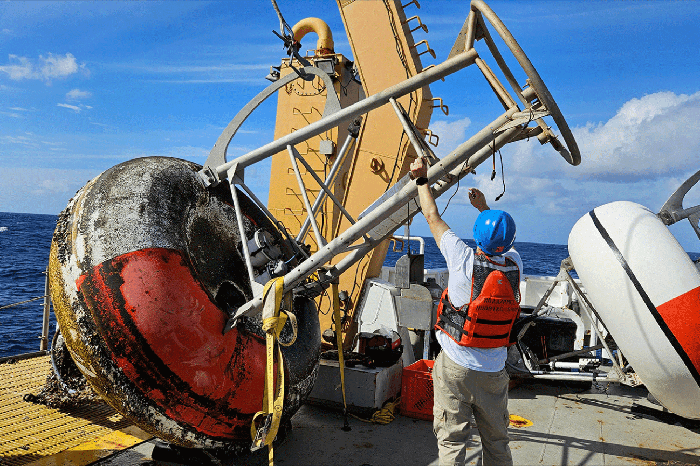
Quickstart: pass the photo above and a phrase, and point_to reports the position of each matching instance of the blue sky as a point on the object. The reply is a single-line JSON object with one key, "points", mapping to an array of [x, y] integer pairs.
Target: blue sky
{"points": [[87, 85]]}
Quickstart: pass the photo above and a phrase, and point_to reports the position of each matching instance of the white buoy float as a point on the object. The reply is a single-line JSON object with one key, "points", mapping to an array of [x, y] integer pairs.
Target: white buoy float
{"points": [[647, 292]]}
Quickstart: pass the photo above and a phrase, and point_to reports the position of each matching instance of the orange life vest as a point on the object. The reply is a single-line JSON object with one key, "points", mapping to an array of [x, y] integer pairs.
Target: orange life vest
{"points": [[486, 321]]}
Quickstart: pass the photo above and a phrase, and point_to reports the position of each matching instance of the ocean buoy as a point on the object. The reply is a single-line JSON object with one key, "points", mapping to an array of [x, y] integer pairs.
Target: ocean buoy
{"points": [[647, 292], [145, 266]]}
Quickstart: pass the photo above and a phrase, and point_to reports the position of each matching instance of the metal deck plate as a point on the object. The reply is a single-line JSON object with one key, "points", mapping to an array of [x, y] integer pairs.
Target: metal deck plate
{"points": [[33, 433]]}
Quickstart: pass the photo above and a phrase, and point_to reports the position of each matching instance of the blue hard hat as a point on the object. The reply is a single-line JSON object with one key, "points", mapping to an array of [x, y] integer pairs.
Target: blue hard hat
{"points": [[494, 232]]}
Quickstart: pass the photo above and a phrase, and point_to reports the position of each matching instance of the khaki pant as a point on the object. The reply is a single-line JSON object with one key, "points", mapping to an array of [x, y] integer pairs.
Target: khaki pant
{"points": [[461, 392]]}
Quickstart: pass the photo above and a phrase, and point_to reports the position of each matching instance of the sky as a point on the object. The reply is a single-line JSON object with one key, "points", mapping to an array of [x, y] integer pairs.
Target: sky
{"points": [[87, 85]]}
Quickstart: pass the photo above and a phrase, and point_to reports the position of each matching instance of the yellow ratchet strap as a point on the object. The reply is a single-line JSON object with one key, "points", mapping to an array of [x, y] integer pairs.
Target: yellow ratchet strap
{"points": [[339, 340], [273, 398]]}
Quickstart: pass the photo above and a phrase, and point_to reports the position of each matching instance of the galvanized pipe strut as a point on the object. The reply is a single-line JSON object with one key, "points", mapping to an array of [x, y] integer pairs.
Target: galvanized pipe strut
{"points": [[241, 228], [293, 155], [389, 224], [325, 189], [381, 219], [446, 68], [44, 345], [472, 152], [408, 127], [330, 179]]}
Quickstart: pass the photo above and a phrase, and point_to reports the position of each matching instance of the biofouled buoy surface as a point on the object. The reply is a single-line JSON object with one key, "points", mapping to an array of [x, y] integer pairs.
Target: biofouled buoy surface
{"points": [[647, 291], [145, 265]]}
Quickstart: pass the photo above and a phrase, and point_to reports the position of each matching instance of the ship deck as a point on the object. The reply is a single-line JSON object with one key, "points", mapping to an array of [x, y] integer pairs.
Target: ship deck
{"points": [[571, 424], [32, 433]]}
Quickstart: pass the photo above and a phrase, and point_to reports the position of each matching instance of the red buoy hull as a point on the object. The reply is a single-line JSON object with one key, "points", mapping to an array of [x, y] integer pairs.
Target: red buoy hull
{"points": [[144, 275]]}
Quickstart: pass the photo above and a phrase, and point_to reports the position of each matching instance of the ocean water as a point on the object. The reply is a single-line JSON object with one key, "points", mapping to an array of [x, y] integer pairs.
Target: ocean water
{"points": [[25, 240], [538, 259]]}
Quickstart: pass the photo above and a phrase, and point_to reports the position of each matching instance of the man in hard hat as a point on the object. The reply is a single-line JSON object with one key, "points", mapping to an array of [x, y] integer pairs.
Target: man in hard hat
{"points": [[475, 316]]}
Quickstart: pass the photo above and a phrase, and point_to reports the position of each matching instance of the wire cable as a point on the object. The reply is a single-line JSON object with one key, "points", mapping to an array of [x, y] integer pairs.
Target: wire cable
{"points": [[22, 302], [456, 190], [503, 177]]}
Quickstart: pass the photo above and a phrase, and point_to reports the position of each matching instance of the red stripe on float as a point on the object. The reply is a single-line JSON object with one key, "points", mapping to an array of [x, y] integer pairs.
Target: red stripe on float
{"points": [[682, 315], [165, 334]]}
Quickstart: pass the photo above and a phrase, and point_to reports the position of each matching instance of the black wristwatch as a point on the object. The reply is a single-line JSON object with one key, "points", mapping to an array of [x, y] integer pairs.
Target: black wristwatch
{"points": [[420, 181]]}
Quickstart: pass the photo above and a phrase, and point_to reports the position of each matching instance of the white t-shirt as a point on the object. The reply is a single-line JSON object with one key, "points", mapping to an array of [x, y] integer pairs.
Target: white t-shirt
{"points": [[460, 263]]}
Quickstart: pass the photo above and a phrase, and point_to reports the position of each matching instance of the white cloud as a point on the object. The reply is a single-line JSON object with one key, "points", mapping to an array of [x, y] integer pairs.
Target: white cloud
{"points": [[648, 137], [21, 69], [198, 74], [45, 68], [102, 125], [198, 154], [22, 140], [76, 108], [44, 190], [641, 154], [451, 133], [78, 94], [52, 144], [72, 107], [247, 79], [178, 69], [12, 114], [58, 66]]}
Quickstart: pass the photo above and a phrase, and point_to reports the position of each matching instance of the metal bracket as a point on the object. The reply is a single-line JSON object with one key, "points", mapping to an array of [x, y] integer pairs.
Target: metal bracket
{"points": [[217, 156], [672, 211], [410, 130], [427, 48], [523, 118], [567, 265], [438, 100], [420, 23], [587, 306], [209, 177]]}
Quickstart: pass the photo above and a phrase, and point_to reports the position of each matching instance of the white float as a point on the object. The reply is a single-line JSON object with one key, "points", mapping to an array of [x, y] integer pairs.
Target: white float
{"points": [[647, 292]]}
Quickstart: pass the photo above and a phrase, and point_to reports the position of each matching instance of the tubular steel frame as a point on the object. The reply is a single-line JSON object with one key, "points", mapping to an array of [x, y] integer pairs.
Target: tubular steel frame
{"points": [[389, 212], [617, 374]]}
